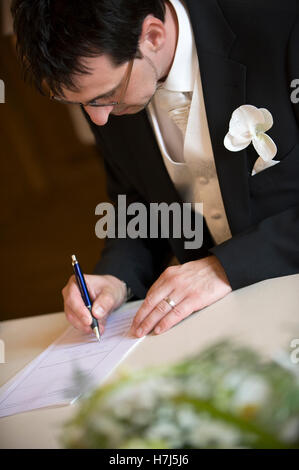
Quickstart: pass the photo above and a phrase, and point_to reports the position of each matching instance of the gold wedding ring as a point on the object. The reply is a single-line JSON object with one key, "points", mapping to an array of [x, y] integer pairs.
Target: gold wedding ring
{"points": [[170, 301]]}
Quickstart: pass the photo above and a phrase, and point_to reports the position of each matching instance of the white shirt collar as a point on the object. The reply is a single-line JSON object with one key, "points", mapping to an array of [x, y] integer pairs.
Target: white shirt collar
{"points": [[185, 64]]}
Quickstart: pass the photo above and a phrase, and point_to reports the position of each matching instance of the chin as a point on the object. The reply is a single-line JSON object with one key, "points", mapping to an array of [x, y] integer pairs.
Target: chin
{"points": [[134, 109]]}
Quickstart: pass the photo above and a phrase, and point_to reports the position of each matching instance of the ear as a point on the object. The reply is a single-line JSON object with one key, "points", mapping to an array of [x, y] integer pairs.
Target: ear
{"points": [[153, 35]]}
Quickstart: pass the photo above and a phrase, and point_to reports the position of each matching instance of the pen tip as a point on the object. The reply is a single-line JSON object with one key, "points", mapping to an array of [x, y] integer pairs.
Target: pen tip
{"points": [[96, 330], [74, 259]]}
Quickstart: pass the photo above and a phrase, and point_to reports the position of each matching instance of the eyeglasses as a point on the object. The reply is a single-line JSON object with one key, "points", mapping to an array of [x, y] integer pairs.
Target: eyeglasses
{"points": [[99, 103]]}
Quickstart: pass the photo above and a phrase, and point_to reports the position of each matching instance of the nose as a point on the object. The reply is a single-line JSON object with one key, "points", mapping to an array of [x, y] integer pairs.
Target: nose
{"points": [[99, 115]]}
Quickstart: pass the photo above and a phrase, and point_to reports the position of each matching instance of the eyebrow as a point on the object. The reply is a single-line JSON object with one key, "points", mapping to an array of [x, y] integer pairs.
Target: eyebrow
{"points": [[107, 94]]}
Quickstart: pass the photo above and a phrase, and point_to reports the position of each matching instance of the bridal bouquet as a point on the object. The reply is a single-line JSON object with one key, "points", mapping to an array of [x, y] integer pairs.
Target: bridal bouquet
{"points": [[225, 397]]}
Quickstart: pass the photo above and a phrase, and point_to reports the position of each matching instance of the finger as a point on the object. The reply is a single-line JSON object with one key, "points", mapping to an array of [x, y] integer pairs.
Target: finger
{"points": [[104, 303], [85, 320], [75, 308], [182, 310], [148, 323], [159, 290], [153, 297], [161, 309], [81, 312], [76, 323], [74, 304], [86, 327]]}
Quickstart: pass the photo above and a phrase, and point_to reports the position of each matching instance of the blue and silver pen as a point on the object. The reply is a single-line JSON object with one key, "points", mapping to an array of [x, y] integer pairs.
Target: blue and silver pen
{"points": [[85, 295]]}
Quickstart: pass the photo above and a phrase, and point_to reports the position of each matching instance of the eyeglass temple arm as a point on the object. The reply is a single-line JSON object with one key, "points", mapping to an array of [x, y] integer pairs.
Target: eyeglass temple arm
{"points": [[126, 81]]}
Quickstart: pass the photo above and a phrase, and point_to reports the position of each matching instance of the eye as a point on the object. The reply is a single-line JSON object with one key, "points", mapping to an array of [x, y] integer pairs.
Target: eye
{"points": [[102, 101]]}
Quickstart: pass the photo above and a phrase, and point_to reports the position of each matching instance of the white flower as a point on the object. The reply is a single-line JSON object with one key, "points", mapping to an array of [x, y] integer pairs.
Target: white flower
{"points": [[254, 390], [249, 124], [212, 433]]}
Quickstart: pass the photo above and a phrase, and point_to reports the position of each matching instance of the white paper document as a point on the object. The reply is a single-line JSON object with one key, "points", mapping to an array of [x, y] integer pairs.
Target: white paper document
{"points": [[49, 379]]}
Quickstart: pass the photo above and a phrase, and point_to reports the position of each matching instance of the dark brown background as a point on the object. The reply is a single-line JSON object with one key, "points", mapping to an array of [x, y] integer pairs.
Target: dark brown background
{"points": [[50, 184]]}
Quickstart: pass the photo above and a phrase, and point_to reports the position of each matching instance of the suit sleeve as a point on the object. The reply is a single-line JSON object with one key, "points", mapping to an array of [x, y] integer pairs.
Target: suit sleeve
{"points": [[270, 248]]}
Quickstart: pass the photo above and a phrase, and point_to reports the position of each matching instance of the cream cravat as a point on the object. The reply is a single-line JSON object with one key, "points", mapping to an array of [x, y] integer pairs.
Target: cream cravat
{"points": [[177, 104]]}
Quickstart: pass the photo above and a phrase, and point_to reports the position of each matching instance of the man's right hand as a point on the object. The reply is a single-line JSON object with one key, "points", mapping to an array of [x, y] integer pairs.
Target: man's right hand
{"points": [[107, 293]]}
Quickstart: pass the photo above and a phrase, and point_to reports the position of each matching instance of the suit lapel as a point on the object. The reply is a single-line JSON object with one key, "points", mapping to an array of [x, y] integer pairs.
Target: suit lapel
{"points": [[142, 163], [223, 82]]}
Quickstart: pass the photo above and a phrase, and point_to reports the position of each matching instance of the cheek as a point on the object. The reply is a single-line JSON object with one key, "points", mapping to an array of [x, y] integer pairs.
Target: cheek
{"points": [[142, 88], [142, 94]]}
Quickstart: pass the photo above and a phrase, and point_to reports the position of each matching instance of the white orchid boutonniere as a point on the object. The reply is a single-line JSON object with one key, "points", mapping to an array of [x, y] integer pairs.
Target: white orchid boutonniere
{"points": [[249, 124]]}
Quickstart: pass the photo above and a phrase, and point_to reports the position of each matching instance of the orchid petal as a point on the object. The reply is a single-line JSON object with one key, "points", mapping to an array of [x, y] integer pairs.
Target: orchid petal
{"points": [[268, 119], [244, 121], [261, 165], [265, 147], [235, 144]]}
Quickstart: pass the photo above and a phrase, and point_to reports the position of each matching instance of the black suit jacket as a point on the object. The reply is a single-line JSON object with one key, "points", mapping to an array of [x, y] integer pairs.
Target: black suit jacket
{"points": [[248, 53]]}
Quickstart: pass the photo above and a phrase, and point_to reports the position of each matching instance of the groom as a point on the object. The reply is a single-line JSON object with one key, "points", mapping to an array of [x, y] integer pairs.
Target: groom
{"points": [[158, 82]]}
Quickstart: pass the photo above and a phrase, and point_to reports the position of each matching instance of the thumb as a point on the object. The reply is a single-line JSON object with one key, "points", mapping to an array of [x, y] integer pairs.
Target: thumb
{"points": [[104, 303]]}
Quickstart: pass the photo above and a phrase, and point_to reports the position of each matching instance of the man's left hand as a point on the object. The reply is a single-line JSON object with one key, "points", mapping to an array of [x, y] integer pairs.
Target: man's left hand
{"points": [[191, 286]]}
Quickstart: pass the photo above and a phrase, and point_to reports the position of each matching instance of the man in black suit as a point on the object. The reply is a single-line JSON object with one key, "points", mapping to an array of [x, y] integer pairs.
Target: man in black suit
{"points": [[99, 54]]}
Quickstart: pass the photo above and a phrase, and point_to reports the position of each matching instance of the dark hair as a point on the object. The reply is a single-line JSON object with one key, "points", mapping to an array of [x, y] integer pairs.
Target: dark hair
{"points": [[52, 35]]}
